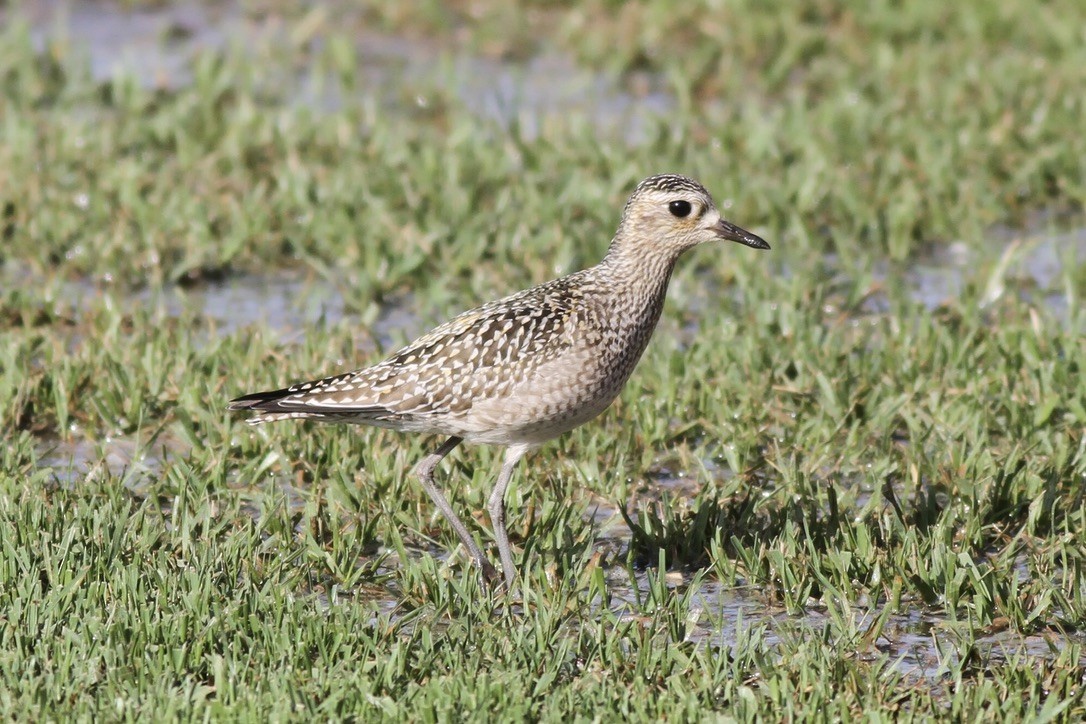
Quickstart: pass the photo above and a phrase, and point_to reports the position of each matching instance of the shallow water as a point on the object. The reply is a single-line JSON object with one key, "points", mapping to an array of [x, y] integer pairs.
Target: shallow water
{"points": [[1033, 265], [1034, 268], [286, 303], [79, 459], [915, 642], [918, 644], [152, 44], [156, 44]]}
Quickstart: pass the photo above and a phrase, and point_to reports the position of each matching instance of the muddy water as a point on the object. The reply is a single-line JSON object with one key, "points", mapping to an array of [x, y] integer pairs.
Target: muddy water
{"points": [[915, 642], [918, 644], [1033, 266], [78, 459], [156, 45]]}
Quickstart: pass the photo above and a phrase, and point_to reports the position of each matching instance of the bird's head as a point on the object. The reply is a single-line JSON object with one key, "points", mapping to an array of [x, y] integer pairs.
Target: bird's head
{"points": [[673, 213]]}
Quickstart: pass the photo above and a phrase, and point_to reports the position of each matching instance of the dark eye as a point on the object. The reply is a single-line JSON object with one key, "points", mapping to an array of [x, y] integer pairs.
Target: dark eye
{"points": [[679, 208]]}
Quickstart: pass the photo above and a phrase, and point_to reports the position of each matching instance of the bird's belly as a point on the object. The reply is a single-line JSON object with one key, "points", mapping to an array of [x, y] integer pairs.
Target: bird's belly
{"points": [[554, 399]]}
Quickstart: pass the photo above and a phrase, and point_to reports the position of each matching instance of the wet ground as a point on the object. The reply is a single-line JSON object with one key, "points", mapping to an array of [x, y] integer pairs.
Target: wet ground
{"points": [[156, 45]]}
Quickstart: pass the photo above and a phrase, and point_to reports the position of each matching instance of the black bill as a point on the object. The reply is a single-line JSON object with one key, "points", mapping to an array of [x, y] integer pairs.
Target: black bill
{"points": [[731, 232]]}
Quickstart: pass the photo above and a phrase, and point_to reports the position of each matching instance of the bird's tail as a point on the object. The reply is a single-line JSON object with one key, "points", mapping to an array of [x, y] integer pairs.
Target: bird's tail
{"points": [[285, 404]]}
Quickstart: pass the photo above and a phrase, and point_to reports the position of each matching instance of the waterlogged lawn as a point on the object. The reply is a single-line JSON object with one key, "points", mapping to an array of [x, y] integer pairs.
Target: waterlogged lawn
{"points": [[848, 478]]}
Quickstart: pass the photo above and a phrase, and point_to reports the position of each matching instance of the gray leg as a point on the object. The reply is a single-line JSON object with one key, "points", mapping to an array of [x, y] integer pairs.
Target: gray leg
{"points": [[425, 473], [496, 507]]}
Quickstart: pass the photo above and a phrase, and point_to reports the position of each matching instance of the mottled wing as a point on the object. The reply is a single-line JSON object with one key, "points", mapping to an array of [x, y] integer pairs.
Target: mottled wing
{"points": [[479, 354]]}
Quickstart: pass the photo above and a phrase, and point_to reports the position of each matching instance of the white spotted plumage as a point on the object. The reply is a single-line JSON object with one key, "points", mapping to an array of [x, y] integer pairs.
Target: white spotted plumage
{"points": [[523, 369]]}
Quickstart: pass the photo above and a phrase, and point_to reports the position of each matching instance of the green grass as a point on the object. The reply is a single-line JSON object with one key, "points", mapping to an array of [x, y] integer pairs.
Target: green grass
{"points": [[893, 487]]}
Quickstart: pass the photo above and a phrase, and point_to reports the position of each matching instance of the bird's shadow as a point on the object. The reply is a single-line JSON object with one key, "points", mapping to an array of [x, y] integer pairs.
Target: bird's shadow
{"points": [[690, 536]]}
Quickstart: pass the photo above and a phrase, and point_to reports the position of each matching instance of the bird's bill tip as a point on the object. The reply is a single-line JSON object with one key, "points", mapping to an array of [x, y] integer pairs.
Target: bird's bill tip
{"points": [[727, 230]]}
